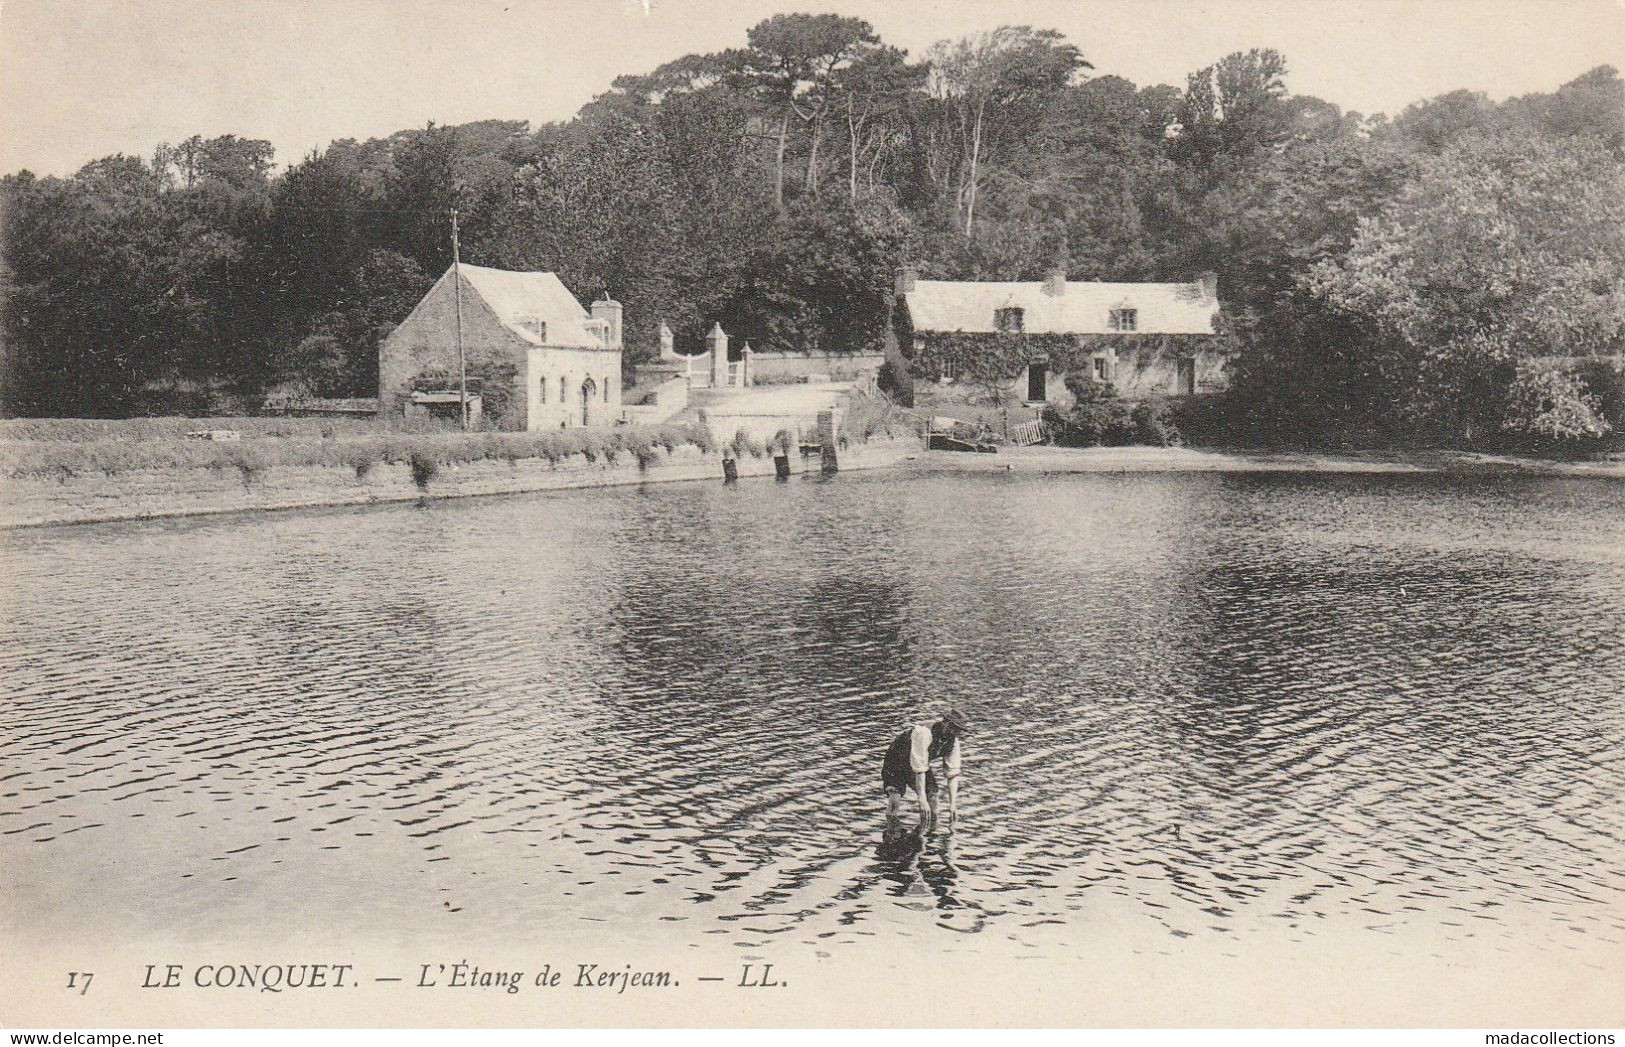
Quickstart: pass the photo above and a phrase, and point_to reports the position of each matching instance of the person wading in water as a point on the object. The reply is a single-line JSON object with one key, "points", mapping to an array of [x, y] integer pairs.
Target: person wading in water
{"points": [[908, 766]]}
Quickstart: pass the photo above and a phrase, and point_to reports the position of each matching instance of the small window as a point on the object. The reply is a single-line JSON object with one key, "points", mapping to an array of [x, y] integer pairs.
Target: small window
{"points": [[606, 388], [543, 384], [1124, 320], [949, 373], [1100, 368], [1010, 319]]}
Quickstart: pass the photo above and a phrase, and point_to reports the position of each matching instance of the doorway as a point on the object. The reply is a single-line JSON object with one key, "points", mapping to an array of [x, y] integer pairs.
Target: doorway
{"points": [[589, 396], [1037, 382], [1185, 381]]}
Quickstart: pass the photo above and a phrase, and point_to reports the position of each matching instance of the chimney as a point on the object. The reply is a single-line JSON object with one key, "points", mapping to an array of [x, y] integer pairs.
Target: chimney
{"points": [[1209, 283], [906, 276], [1055, 282], [609, 310]]}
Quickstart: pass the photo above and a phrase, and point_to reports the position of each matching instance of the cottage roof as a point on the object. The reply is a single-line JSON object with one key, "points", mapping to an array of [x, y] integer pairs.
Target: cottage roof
{"points": [[1083, 308], [519, 299]]}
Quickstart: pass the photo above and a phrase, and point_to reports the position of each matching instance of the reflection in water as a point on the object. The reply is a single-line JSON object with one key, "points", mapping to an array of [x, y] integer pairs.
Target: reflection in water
{"points": [[1205, 706], [923, 867]]}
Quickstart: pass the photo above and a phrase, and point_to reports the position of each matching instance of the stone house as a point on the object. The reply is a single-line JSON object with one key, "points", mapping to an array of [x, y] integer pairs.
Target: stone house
{"points": [[535, 357], [959, 338]]}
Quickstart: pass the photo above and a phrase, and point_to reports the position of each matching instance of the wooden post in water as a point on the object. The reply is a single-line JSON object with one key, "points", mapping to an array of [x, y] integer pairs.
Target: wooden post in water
{"points": [[781, 455], [829, 431]]}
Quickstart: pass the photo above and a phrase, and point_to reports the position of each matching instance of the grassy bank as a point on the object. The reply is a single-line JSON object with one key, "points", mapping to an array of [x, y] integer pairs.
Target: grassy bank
{"points": [[131, 430], [68, 448]]}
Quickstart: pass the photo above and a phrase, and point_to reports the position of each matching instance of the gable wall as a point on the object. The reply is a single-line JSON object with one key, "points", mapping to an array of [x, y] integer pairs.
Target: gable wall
{"points": [[427, 341]]}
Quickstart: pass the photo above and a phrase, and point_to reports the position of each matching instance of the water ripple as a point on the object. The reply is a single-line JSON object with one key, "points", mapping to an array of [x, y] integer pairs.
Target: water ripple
{"points": [[1214, 705]]}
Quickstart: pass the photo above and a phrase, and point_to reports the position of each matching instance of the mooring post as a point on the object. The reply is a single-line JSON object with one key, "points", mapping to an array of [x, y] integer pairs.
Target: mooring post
{"points": [[829, 431], [781, 456]]}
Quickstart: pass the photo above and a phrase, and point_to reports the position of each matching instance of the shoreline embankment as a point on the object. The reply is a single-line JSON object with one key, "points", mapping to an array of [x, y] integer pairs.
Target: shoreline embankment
{"points": [[178, 491], [181, 491], [1052, 460]]}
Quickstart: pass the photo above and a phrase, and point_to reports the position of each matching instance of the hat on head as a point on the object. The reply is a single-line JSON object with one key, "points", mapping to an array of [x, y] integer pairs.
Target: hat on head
{"points": [[956, 719]]}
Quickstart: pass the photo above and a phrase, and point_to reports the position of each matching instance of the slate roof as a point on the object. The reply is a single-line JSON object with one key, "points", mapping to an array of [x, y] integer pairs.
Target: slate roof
{"points": [[1084, 308], [517, 298]]}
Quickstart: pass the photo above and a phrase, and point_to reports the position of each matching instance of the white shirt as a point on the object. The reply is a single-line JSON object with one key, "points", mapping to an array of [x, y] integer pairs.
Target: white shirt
{"points": [[919, 751]]}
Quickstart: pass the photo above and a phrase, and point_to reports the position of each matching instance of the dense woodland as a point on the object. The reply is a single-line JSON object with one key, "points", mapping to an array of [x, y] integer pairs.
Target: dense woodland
{"points": [[1385, 278]]}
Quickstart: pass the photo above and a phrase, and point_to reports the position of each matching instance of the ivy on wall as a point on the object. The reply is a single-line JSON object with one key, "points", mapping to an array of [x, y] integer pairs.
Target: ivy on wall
{"points": [[980, 356], [493, 382]]}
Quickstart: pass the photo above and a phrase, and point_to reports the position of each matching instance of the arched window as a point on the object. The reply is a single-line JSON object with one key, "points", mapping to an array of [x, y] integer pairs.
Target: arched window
{"points": [[543, 384], [606, 388]]}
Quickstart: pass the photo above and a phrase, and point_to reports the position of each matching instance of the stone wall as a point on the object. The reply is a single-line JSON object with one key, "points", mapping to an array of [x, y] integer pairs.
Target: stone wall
{"points": [[1138, 375], [762, 428], [770, 367], [186, 492], [663, 401]]}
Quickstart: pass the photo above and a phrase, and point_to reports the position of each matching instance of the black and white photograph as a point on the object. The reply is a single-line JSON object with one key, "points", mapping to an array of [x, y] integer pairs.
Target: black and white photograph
{"points": [[810, 514]]}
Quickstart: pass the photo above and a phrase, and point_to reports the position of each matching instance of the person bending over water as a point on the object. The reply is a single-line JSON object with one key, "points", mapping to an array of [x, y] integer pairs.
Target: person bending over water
{"points": [[908, 766]]}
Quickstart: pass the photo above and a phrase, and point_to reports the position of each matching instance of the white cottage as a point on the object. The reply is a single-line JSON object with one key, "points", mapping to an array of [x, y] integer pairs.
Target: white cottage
{"points": [[1146, 339]]}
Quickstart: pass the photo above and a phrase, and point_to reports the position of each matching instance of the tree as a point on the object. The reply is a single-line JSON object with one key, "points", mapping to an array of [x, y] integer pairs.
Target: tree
{"points": [[1502, 250], [1591, 106], [992, 90], [242, 163], [793, 64], [1548, 402], [1300, 206], [421, 187], [1438, 123], [871, 92], [1231, 111], [319, 233], [834, 262], [339, 357]]}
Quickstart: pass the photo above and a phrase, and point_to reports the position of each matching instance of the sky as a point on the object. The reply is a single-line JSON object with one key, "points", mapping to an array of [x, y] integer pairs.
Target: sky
{"points": [[82, 79]]}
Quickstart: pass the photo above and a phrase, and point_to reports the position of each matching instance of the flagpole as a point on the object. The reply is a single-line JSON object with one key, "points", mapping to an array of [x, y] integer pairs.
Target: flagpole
{"points": [[462, 362]]}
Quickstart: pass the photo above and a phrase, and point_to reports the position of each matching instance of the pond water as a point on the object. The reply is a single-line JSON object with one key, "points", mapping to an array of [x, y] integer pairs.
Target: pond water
{"points": [[1204, 706]]}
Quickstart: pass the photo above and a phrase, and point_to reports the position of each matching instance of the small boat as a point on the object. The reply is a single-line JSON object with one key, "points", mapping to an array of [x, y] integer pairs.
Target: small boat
{"points": [[944, 442], [952, 434]]}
